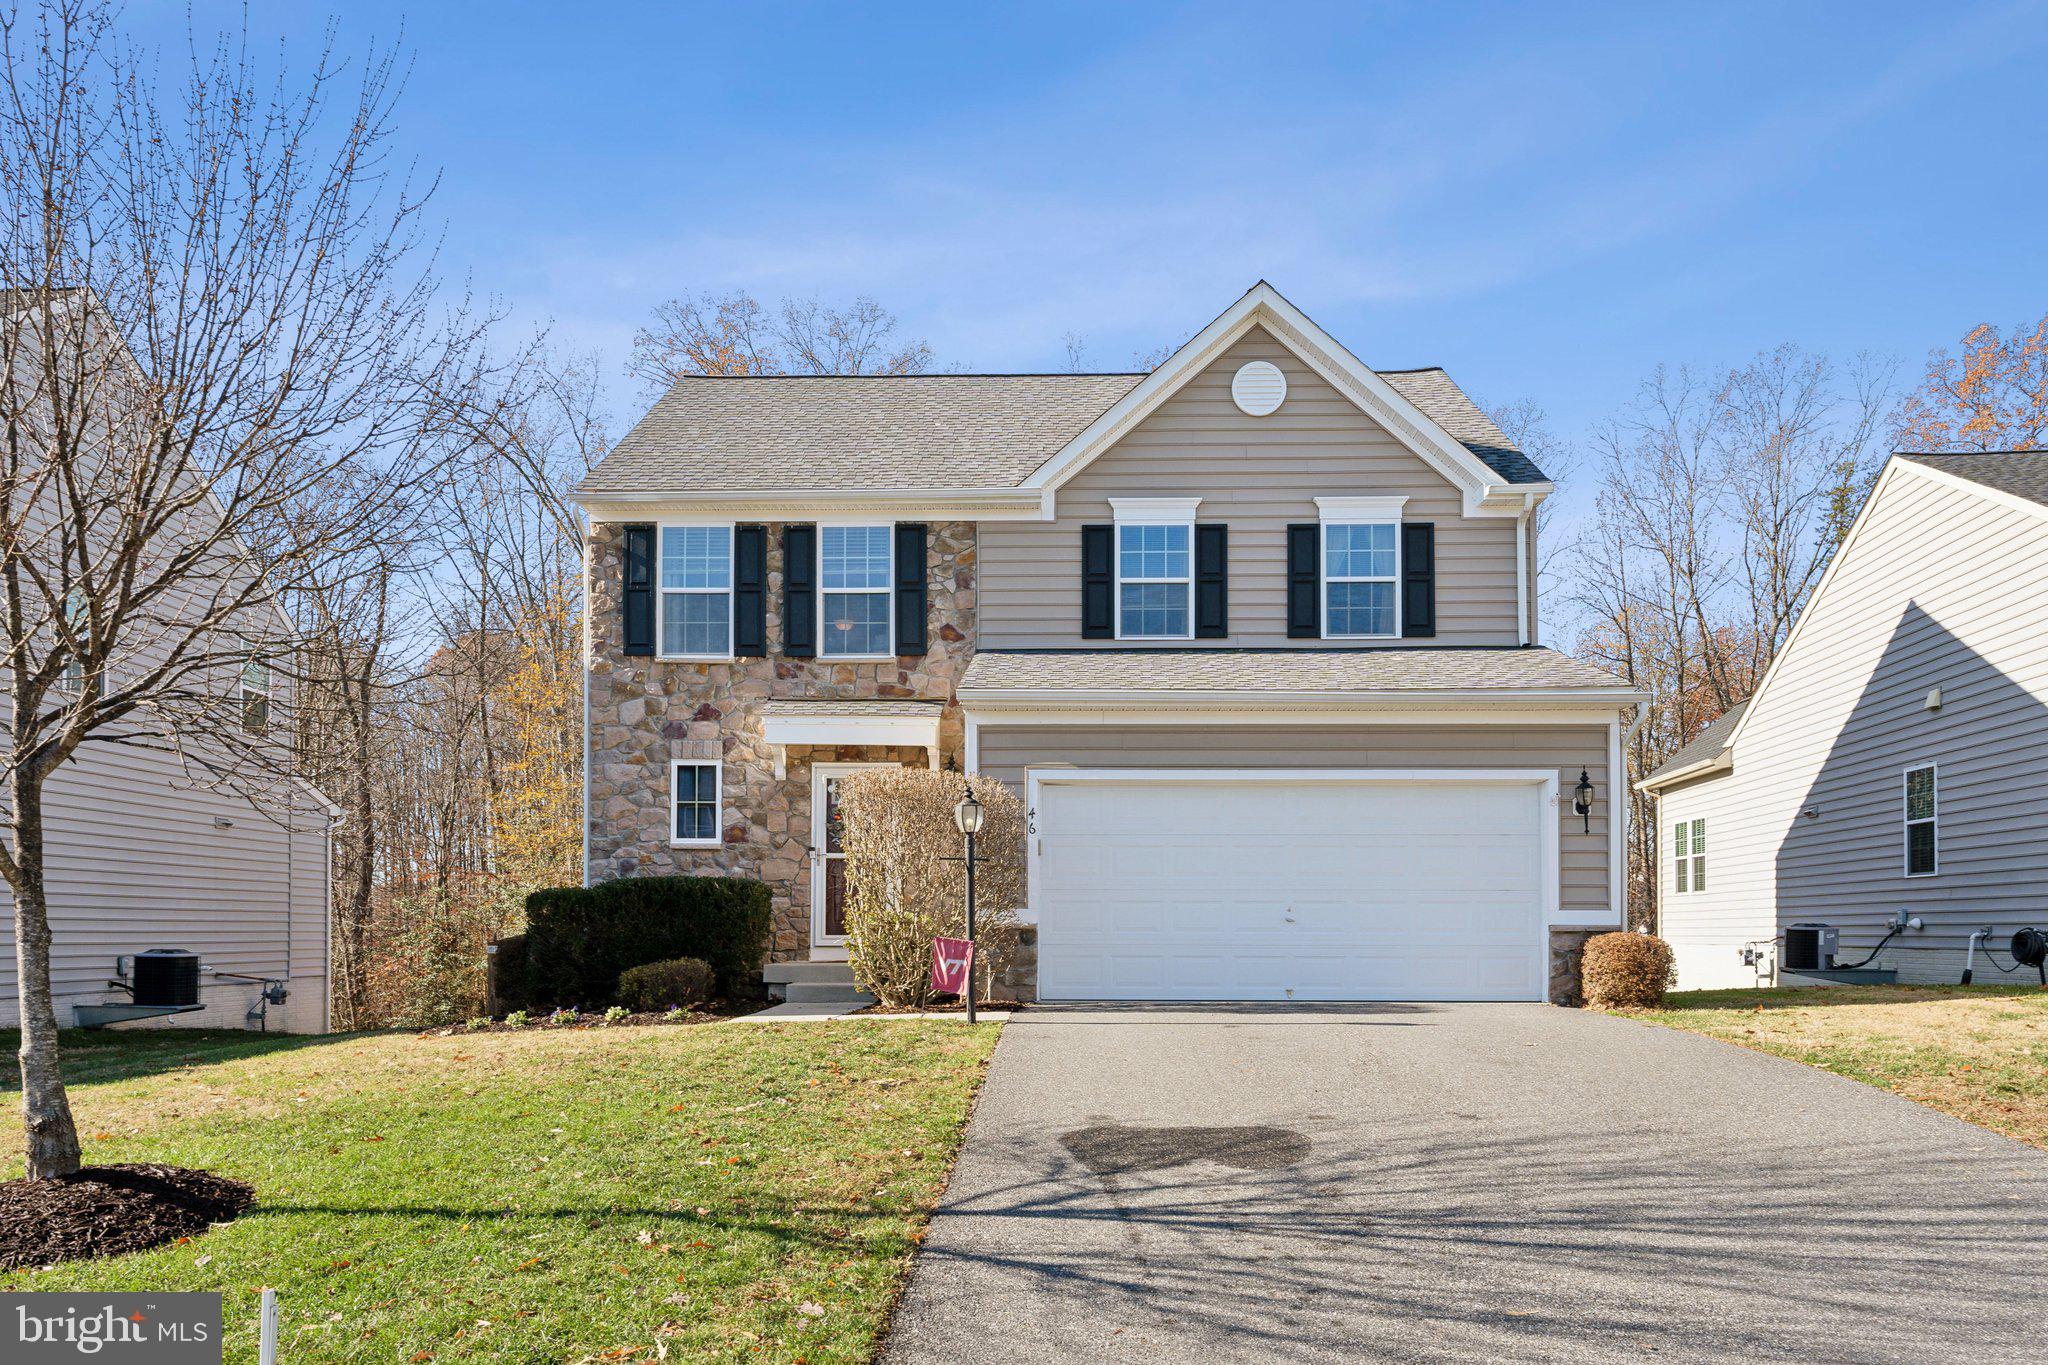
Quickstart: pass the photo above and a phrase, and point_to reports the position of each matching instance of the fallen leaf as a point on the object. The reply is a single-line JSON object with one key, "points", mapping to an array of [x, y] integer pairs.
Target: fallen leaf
{"points": [[811, 1310], [204, 1260]]}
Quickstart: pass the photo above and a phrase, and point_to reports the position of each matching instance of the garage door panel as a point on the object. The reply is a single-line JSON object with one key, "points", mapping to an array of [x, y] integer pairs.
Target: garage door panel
{"points": [[1214, 890]]}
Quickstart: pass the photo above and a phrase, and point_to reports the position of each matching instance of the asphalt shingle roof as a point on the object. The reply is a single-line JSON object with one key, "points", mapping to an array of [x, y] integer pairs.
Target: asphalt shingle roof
{"points": [[1707, 744], [2022, 473], [843, 433], [1281, 670]]}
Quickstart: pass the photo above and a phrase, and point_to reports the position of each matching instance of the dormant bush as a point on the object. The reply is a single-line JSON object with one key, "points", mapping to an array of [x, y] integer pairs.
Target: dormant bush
{"points": [[901, 893], [1626, 971]]}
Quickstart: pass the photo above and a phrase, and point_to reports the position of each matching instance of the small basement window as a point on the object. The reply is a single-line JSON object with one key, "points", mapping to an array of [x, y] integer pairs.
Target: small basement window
{"points": [[696, 798], [1689, 855], [1922, 842]]}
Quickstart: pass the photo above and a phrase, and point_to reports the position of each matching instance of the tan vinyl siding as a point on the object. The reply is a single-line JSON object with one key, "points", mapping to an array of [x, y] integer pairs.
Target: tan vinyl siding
{"points": [[1005, 753], [1257, 474], [1939, 588], [136, 861]]}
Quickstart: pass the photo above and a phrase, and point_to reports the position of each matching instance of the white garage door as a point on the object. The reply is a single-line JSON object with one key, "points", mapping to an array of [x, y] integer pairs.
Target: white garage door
{"points": [[1292, 886]]}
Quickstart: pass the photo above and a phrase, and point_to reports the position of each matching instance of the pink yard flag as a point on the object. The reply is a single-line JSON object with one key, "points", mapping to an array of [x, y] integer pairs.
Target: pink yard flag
{"points": [[951, 959]]}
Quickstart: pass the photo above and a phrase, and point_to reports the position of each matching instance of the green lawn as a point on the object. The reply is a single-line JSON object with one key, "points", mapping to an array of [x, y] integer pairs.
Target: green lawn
{"points": [[726, 1191], [1978, 1052]]}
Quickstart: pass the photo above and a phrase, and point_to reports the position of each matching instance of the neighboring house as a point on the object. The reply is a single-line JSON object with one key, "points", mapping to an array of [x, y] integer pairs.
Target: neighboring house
{"points": [[143, 854], [1895, 756], [1254, 635]]}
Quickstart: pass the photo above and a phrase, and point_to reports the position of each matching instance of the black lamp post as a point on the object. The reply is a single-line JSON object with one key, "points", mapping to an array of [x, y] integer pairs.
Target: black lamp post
{"points": [[1582, 799], [967, 817]]}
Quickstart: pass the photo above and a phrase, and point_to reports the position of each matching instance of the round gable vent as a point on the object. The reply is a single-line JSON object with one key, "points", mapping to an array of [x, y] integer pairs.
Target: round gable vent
{"points": [[1258, 388]]}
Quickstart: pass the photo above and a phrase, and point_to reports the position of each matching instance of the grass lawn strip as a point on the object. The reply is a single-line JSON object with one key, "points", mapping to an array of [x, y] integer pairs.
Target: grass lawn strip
{"points": [[1977, 1052], [728, 1193]]}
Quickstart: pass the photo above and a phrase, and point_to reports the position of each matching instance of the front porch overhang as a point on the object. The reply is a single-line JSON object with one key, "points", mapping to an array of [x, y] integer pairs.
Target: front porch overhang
{"points": [[901, 724]]}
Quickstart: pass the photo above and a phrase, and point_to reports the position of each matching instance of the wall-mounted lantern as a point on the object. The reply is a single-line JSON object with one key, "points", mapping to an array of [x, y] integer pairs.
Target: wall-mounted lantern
{"points": [[1582, 799]]}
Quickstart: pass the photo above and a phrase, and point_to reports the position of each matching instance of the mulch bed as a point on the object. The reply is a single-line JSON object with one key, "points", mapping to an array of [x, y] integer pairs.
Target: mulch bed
{"points": [[537, 1021], [110, 1211], [947, 1006]]}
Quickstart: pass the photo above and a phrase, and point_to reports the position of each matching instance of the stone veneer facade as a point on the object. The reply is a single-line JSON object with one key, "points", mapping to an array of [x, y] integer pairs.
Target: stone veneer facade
{"points": [[646, 712]]}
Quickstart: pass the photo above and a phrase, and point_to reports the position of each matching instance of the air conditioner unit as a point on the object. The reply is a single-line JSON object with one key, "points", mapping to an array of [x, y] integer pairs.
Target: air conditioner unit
{"points": [[1810, 947]]}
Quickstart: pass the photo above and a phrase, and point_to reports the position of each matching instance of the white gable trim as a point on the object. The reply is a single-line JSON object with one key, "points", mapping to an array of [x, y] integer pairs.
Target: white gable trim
{"points": [[1484, 491], [1894, 470]]}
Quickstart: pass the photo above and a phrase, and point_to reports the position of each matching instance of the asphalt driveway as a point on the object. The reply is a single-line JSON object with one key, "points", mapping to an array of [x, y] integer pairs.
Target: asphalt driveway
{"points": [[1461, 1182]]}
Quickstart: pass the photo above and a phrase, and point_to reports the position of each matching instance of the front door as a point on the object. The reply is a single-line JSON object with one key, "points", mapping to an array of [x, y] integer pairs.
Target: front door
{"points": [[828, 859]]}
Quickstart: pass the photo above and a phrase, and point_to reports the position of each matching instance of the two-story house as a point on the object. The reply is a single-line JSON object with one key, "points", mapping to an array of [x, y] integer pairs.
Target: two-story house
{"points": [[1254, 634]]}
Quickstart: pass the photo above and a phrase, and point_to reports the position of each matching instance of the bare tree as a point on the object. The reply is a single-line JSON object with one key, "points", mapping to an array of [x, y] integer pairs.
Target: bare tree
{"points": [[217, 344], [733, 334], [1718, 508]]}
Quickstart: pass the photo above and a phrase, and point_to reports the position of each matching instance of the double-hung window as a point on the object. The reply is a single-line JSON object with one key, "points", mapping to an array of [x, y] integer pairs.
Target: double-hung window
{"points": [[1689, 855], [75, 619], [853, 592], [1155, 568], [696, 592], [1922, 852], [1361, 567], [255, 698], [694, 792]]}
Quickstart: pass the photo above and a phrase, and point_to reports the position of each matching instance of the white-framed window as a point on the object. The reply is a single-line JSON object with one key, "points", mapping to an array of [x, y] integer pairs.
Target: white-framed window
{"points": [[255, 691], [73, 677], [1155, 568], [856, 608], [1361, 567], [695, 792], [1689, 855], [1922, 820], [695, 592]]}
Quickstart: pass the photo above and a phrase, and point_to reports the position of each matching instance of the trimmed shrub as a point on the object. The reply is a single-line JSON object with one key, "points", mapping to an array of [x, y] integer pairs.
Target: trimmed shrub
{"points": [[901, 892], [507, 974], [658, 985], [579, 940], [1626, 971]]}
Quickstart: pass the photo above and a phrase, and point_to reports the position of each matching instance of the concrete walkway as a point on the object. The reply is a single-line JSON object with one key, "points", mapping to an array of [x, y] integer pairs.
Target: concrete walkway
{"points": [[1461, 1183]]}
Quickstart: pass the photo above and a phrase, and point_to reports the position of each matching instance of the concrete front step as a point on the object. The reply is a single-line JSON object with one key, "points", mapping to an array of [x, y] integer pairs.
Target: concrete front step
{"points": [[782, 973], [826, 993]]}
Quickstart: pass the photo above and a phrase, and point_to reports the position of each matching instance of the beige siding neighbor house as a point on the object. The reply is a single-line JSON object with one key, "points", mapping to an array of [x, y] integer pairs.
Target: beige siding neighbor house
{"points": [[1253, 634], [146, 848], [1886, 780]]}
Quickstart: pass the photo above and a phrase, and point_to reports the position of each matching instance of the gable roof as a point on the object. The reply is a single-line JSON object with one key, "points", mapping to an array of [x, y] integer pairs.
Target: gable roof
{"points": [[2021, 473], [1706, 746], [2011, 477], [947, 432]]}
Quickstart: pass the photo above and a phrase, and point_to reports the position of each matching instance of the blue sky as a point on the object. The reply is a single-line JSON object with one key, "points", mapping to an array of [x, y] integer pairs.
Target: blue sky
{"points": [[1546, 200]]}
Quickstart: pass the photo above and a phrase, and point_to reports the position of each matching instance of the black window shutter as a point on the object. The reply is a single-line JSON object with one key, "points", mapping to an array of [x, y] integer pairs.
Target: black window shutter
{"points": [[1418, 579], [637, 598], [1212, 582], [912, 596], [750, 591], [1098, 582], [800, 591], [1304, 581]]}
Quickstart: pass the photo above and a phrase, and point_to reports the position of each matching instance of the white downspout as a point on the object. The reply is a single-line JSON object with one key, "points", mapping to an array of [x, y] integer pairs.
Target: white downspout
{"points": [[1618, 784], [1522, 632], [584, 661]]}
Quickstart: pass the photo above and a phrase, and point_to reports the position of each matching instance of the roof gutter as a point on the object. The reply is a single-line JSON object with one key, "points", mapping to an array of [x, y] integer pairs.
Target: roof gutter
{"points": [[1721, 762], [964, 504], [1298, 697]]}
